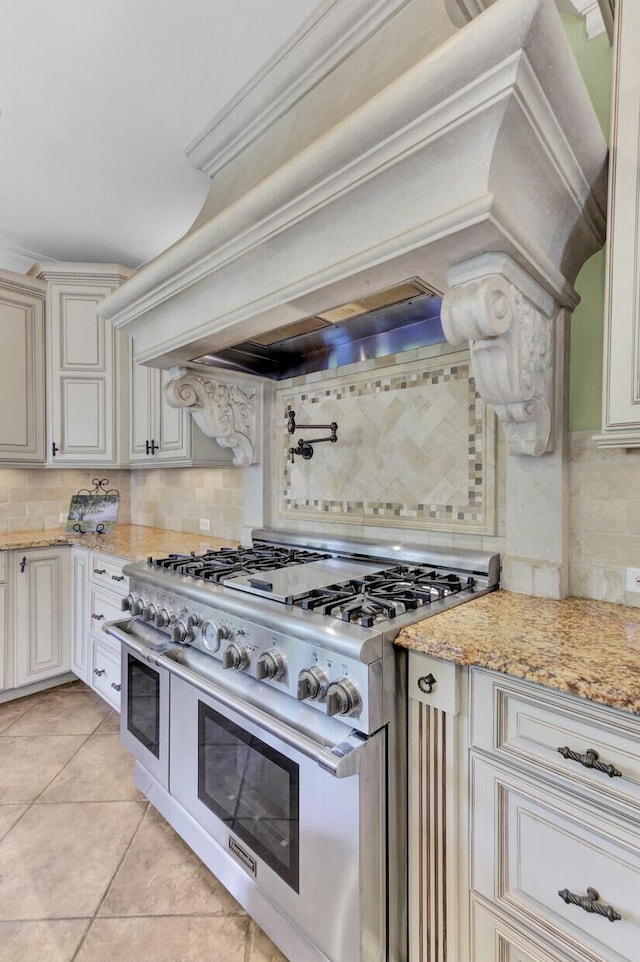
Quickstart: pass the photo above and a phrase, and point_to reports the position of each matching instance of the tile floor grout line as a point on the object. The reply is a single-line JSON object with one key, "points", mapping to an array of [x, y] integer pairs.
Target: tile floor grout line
{"points": [[93, 917]]}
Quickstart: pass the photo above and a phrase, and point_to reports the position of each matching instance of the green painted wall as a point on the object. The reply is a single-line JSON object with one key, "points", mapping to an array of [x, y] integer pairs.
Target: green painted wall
{"points": [[587, 322]]}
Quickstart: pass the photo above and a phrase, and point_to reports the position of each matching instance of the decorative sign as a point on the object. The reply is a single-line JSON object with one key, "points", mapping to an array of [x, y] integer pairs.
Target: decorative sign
{"points": [[94, 510]]}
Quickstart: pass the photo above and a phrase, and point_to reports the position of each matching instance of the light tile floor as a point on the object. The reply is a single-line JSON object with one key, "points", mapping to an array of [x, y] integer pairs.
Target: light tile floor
{"points": [[89, 872]]}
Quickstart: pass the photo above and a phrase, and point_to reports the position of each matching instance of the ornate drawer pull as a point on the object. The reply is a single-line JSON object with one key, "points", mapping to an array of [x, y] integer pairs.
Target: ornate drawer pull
{"points": [[97, 617], [426, 683], [117, 577], [114, 685], [590, 903], [99, 571], [589, 760], [99, 672]]}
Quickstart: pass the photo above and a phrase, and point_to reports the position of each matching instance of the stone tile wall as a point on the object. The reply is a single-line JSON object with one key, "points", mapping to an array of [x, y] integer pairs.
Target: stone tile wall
{"points": [[176, 498], [604, 519], [33, 499]]}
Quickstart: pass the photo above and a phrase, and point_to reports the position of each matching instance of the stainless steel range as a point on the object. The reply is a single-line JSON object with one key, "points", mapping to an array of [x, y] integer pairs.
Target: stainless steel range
{"points": [[264, 703]]}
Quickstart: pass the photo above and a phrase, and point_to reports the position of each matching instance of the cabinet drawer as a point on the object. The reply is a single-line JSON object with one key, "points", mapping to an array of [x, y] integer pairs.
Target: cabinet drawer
{"points": [[492, 938], [103, 606], [107, 571], [525, 724], [105, 670], [530, 843], [434, 682]]}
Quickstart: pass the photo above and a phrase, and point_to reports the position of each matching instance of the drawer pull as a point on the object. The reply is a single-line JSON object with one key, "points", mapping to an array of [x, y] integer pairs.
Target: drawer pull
{"points": [[117, 577], [590, 903], [116, 686], [426, 683], [99, 571], [97, 617], [590, 759], [99, 672]]}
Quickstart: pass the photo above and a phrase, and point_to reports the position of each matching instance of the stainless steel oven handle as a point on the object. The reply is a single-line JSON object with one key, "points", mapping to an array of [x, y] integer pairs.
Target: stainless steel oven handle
{"points": [[341, 760]]}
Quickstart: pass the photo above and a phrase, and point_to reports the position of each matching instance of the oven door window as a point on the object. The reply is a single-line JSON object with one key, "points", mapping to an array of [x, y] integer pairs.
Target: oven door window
{"points": [[143, 704], [253, 789]]}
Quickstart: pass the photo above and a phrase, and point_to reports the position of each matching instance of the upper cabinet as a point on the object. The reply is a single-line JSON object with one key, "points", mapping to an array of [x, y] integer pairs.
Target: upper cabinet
{"points": [[160, 434], [86, 374], [22, 401], [621, 383]]}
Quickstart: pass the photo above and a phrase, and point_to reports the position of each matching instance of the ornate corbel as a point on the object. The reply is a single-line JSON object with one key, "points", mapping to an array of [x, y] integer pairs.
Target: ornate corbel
{"points": [[508, 320], [222, 410]]}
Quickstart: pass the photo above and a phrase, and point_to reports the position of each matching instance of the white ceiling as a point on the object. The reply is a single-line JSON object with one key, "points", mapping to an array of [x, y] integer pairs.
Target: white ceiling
{"points": [[98, 101]]}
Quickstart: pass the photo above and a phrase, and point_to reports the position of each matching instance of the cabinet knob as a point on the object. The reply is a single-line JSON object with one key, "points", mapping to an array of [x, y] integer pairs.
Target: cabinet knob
{"points": [[97, 617], [54, 449], [23, 564], [426, 683], [99, 672], [590, 903], [117, 577], [99, 571], [116, 686]]}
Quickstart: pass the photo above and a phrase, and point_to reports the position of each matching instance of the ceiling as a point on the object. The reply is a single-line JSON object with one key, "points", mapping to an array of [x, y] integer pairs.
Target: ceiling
{"points": [[98, 102]]}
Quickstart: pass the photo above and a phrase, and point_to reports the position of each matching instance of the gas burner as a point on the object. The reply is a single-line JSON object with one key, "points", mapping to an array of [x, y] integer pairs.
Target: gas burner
{"points": [[216, 565]]}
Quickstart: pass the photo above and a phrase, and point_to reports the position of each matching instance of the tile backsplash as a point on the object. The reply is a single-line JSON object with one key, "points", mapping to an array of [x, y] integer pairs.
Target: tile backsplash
{"points": [[416, 447], [32, 499]]}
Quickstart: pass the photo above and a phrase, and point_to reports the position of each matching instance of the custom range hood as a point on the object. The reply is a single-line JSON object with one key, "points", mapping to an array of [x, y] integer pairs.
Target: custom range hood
{"points": [[448, 145]]}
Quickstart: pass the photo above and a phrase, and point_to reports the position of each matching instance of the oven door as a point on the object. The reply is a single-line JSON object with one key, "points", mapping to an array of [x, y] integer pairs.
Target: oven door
{"points": [[311, 836], [144, 712]]}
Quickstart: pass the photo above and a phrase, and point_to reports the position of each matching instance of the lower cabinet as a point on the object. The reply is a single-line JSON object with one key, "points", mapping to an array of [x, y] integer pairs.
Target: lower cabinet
{"points": [[3, 618], [524, 821], [40, 613], [106, 587]]}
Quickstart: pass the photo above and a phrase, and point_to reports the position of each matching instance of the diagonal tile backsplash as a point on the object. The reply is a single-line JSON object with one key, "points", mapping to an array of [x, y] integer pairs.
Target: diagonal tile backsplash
{"points": [[415, 449]]}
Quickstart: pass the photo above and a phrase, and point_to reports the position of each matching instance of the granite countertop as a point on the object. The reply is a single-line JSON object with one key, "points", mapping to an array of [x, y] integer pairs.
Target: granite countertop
{"points": [[587, 648], [133, 542]]}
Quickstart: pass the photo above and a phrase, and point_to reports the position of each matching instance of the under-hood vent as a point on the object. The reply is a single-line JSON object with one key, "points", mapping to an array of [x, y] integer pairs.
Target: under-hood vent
{"points": [[398, 319]]}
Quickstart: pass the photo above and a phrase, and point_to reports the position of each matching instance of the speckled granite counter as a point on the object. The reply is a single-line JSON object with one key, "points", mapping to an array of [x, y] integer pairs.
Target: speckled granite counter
{"points": [[587, 648], [130, 541]]}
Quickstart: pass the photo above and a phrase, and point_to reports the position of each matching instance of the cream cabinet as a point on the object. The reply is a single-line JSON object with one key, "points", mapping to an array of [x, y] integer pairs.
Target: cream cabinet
{"points": [[621, 379], [555, 822], [22, 367], [107, 587], [86, 377], [40, 578], [3, 619], [438, 806], [162, 435], [79, 612]]}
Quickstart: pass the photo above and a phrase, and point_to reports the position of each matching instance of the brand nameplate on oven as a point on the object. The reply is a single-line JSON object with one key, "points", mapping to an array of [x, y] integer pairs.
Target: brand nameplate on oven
{"points": [[249, 863]]}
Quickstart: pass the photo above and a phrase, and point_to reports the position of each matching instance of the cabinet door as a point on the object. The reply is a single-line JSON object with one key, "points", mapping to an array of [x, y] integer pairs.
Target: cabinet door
{"points": [[82, 401], [3, 632], [22, 415], [171, 433], [41, 614], [79, 623], [141, 406], [621, 383]]}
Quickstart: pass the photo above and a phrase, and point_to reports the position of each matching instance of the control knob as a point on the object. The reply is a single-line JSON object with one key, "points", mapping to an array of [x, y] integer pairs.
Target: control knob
{"points": [[312, 684], [163, 618], [213, 634], [343, 698], [271, 665], [180, 633], [194, 620], [127, 603], [137, 607], [236, 657], [149, 612]]}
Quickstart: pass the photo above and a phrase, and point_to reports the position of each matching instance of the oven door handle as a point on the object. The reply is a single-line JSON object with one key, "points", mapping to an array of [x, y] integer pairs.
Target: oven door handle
{"points": [[341, 760]]}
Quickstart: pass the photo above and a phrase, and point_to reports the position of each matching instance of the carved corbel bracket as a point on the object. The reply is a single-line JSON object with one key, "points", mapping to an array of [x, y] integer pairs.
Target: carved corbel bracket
{"points": [[508, 320], [222, 410]]}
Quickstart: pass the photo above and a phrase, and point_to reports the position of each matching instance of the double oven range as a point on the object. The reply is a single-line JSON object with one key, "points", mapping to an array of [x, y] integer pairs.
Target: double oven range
{"points": [[265, 706]]}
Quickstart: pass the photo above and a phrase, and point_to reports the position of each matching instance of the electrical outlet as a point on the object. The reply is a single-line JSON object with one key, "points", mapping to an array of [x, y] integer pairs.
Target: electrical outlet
{"points": [[62, 517], [633, 579], [205, 525]]}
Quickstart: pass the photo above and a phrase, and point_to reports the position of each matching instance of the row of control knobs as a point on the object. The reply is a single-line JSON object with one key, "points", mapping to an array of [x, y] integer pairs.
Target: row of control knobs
{"points": [[342, 696]]}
